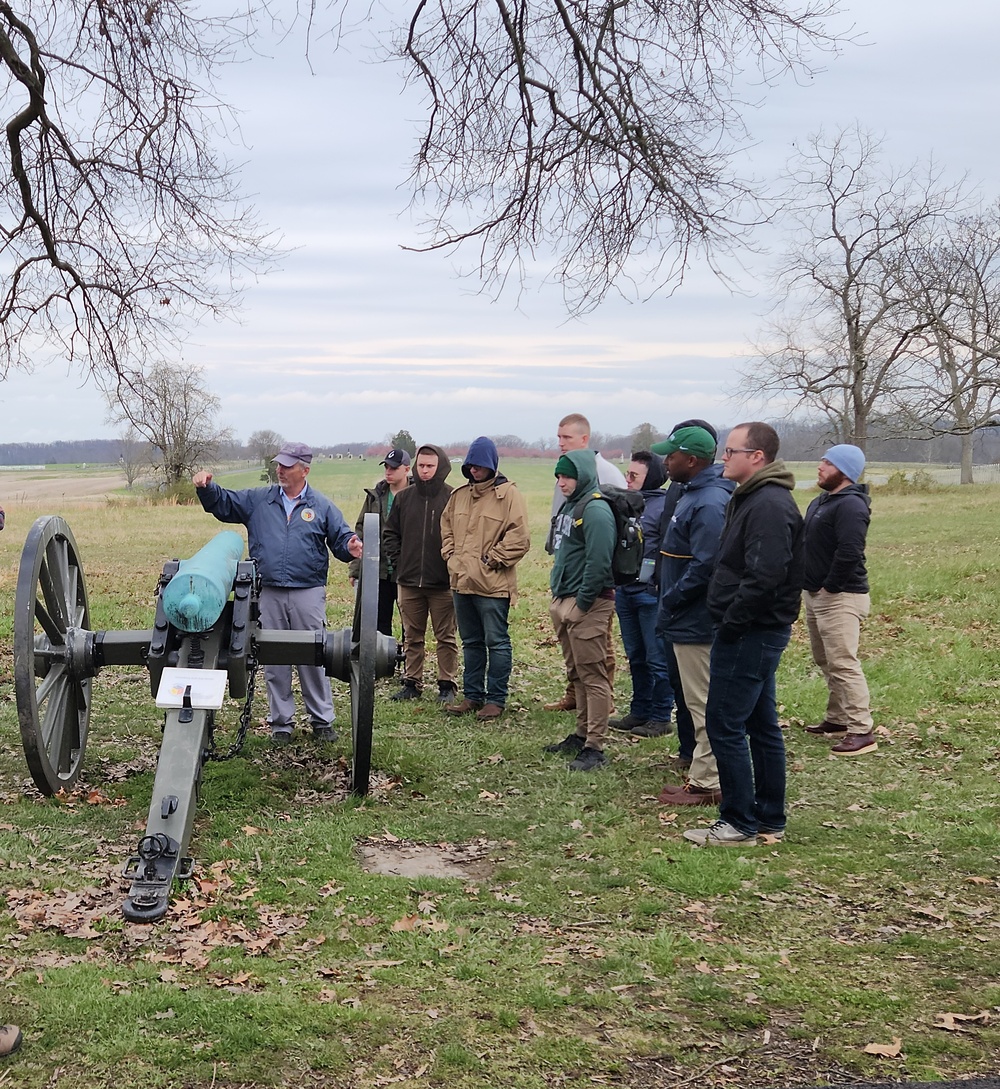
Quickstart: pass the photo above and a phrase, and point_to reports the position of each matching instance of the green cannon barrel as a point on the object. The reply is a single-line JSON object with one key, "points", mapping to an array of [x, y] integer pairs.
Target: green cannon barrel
{"points": [[195, 597]]}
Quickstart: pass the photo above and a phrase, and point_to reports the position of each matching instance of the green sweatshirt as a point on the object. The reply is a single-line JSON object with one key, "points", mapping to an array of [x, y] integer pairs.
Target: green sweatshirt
{"points": [[582, 567]]}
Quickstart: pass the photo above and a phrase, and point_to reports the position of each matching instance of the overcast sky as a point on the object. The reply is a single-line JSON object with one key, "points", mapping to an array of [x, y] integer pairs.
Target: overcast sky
{"points": [[354, 338]]}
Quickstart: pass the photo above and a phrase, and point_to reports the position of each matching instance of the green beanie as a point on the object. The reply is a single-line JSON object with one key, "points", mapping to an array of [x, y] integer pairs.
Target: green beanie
{"points": [[565, 467]]}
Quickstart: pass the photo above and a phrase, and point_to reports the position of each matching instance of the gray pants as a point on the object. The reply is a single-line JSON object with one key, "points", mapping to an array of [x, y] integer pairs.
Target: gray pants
{"points": [[296, 610]]}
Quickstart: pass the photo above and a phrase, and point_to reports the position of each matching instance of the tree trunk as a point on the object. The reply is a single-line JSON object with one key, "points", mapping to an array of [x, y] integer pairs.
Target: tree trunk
{"points": [[968, 437]]}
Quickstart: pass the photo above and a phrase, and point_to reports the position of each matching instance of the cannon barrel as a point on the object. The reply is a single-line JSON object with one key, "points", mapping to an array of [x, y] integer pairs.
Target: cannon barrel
{"points": [[195, 597]]}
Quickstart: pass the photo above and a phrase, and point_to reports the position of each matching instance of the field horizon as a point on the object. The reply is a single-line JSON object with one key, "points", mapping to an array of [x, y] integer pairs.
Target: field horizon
{"points": [[581, 941]]}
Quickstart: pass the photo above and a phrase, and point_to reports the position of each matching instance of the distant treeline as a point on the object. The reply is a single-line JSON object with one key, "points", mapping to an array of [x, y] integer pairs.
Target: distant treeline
{"points": [[799, 442]]}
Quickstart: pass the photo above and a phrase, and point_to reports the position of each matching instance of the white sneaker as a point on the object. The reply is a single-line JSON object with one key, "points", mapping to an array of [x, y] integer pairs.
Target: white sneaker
{"points": [[721, 834]]}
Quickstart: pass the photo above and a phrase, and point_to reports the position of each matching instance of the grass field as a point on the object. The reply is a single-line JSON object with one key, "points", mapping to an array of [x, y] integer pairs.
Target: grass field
{"points": [[588, 943]]}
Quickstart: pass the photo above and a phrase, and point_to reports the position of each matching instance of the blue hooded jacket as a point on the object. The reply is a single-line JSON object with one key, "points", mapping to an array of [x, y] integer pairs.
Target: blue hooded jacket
{"points": [[689, 551], [482, 452]]}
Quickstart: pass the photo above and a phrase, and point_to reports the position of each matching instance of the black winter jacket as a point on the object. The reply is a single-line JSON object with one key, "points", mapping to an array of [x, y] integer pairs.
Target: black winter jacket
{"points": [[412, 534], [835, 532], [757, 582], [376, 502]]}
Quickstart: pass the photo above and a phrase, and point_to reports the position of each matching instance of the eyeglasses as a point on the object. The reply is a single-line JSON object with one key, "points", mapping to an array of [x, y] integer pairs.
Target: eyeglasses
{"points": [[730, 450], [632, 475]]}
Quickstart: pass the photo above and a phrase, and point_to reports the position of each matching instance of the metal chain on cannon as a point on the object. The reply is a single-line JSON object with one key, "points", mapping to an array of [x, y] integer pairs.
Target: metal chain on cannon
{"points": [[211, 753]]}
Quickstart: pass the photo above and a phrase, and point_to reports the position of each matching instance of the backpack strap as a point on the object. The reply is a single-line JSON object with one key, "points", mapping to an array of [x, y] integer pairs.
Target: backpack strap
{"points": [[581, 506]]}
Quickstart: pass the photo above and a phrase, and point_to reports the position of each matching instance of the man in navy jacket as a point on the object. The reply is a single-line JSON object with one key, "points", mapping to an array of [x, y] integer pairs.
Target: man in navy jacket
{"points": [[688, 552], [836, 596], [290, 529]]}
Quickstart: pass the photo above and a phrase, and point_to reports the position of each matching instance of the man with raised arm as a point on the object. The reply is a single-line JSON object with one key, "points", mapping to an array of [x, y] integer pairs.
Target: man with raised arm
{"points": [[291, 529]]}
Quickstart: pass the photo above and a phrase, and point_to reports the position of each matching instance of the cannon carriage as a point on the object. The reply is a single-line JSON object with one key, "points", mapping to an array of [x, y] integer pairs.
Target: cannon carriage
{"points": [[206, 637]]}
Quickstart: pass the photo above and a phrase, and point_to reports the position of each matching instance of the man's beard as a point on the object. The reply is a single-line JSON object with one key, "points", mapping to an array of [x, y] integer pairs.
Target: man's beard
{"points": [[833, 481]]}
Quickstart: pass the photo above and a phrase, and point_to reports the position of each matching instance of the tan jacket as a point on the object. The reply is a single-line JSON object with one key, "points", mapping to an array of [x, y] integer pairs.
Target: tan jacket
{"points": [[484, 532]]}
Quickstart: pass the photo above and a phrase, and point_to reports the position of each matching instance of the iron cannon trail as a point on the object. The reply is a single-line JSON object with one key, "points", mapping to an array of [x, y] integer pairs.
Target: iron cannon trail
{"points": [[206, 637]]}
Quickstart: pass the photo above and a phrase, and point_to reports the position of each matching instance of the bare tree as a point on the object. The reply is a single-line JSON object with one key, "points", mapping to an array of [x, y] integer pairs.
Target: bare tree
{"points": [[134, 456], [953, 386], [173, 409], [602, 133], [840, 342], [120, 218], [263, 445]]}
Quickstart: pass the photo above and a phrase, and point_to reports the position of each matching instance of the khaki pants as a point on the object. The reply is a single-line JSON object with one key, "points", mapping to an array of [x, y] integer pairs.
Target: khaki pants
{"points": [[834, 623], [415, 606], [583, 638], [570, 688], [693, 661]]}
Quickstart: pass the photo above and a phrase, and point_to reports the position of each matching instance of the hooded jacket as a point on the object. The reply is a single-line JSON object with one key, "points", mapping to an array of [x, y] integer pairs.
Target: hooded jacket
{"points": [[757, 582], [412, 535], [583, 551], [654, 497], [378, 500], [836, 528], [607, 475], [688, 556], [484, 529]]}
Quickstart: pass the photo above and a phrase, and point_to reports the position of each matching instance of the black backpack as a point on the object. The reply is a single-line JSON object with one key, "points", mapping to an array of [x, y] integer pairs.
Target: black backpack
{"points": [[627, 507]]}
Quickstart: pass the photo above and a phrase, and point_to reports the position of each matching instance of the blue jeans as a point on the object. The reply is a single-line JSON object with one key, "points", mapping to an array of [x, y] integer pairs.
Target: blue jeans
{"points": [[742, 708], [652, 696], [486, 649]]}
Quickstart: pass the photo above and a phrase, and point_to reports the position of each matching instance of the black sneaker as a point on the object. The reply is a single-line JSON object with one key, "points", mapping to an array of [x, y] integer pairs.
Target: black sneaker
{"points": [[572, 745], [409, 691], [653, 728], [447, 691], [324, 733], [588, 760], [627, 723], [280, 739]]}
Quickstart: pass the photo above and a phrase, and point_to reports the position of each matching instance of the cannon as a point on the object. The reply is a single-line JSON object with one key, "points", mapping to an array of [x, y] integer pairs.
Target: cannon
{"points": [[206, 636]]}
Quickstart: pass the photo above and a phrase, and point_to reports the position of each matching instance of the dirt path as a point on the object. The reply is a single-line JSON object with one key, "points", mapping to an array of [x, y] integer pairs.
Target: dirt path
{"points": [[32, 485]]}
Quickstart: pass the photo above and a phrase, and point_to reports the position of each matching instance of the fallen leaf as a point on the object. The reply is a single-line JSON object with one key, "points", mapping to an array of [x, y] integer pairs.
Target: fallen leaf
{"points": [[886, 1051], [954, 1022]]}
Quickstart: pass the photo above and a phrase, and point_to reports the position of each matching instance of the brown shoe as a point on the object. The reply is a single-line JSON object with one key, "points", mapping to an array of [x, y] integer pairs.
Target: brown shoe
{"points": [[826, 729], [567, 703], [466, 707], [10, 1040], [489, 711], [689, 794], [855, 745]]}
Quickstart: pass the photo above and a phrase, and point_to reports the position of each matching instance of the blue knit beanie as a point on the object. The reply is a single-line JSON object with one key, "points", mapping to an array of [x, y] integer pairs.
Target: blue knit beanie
{"points": [[850, 460]]}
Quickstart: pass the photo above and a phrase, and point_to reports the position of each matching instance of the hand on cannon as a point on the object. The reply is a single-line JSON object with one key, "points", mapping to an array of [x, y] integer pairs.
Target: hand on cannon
{"points": [[202, 479], [356, 548]]}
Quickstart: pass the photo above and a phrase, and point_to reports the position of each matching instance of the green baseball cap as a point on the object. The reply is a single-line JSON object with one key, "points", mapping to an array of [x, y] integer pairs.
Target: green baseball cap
{"points": [[695, 441]]}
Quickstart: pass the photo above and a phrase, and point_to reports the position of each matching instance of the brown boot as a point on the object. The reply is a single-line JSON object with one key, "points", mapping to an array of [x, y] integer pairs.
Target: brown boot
{"points": [[10, 1040], [855, 745], [567, 703], [466, 707]]}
